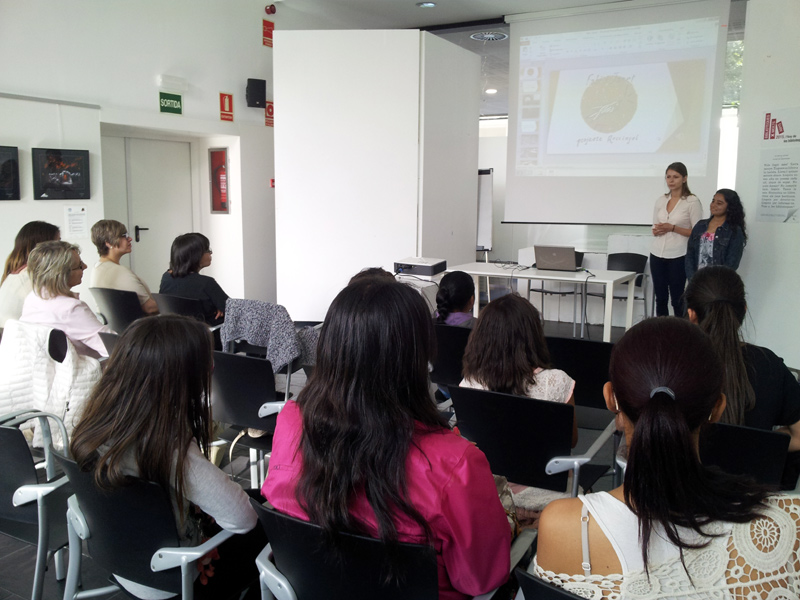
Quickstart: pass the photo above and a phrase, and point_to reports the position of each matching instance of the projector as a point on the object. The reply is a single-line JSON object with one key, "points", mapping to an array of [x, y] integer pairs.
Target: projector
{"points": [[420, 267]]}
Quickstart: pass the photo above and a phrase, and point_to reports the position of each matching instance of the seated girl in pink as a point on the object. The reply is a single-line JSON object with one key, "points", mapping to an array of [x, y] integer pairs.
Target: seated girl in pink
{"points": [[364, 449]]}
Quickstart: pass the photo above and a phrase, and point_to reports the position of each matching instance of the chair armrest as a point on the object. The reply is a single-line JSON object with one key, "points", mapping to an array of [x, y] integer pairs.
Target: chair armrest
{"points": [[167, 558], [13, 415], [559, 464], [272, 578], [213, 328], [29, 493], [75, 518], [270, 408]]}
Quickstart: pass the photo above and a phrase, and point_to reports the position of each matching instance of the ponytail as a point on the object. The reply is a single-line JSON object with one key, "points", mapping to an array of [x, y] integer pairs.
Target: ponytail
{"points": [[667, 380], [455, 291]]}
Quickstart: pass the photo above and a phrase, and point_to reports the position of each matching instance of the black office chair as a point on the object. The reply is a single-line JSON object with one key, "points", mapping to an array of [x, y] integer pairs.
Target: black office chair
{"points": [[628, 261], [119, 308], [109, 340], [740, 450], [528, 441], [450, 345], [534, 588], [587, 363], [30, 511], [130, 532], [178, 305], [304, 569], [243, 395]]}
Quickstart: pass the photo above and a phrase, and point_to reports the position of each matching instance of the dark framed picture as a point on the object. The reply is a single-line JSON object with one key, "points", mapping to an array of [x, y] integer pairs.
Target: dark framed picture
{"points": [[9, 173], [218, 171], [60, 174]]}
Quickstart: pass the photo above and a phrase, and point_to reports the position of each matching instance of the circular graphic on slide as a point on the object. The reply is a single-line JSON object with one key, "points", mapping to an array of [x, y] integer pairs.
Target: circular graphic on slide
{"points": [[609, 103]]}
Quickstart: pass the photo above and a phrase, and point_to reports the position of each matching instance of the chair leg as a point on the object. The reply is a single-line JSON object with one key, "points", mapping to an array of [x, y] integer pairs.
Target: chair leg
{"points": [[41, 552], [253, 468], [74, 568], [58, 560]]}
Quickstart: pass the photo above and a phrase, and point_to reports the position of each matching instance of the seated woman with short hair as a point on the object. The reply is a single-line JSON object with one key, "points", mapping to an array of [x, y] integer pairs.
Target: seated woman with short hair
{"points": [[113, 242], [675, 528], [55, 268], [190, 253], [364, 449]]}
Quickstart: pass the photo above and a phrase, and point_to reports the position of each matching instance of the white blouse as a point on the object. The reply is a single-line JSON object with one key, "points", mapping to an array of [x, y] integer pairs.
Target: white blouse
{"points": [[686, 213]]}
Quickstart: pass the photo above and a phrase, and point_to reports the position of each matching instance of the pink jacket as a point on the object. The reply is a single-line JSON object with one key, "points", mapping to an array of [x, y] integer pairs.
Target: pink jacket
{"points": [[449, 483], [71, 316]]}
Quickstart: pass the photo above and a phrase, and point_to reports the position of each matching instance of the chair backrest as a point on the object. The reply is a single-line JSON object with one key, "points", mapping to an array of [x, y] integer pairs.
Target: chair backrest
{"points": [[239, 386], [538, 589], [119, 307], [109, 340], [178, 305], [745, 451], [127, 525], [517, 434], [357, 571], [450, 345], [587, 363], [628, 261], [18, 470]]}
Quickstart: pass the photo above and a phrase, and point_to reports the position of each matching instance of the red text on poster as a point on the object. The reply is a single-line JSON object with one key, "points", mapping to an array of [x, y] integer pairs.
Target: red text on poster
{"points": [[780, 127], [772, 130], [225, 107], [767, 121], [269, 114], [269, 27], [219, 180]]}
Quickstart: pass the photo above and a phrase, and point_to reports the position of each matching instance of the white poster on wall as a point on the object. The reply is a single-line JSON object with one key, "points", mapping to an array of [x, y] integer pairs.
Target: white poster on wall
{"points": [[779, 194], [76, 219]]}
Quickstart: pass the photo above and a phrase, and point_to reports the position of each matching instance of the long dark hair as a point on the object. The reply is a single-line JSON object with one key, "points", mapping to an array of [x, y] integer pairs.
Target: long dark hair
{"points": [[151, 401], [31, 234], [665, 483], [681, 170], [455, 290], [186, 252], [368, 396], [735, 212], [717, 295], [506, 346]]}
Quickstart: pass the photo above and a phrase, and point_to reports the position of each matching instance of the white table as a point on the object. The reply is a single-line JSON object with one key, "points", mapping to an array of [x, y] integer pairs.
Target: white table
{"points": [[607, 278]]}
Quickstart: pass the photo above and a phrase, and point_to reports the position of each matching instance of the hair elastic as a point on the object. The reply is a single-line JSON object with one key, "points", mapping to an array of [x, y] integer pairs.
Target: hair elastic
{"points": [[664, 389]]}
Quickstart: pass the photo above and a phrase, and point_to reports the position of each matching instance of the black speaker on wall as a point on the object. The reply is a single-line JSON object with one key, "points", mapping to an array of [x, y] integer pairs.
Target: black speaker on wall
{"points": [[256, 93]]}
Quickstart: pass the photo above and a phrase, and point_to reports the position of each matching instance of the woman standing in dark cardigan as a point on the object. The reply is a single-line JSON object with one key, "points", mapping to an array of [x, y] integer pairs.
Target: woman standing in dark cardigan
{"points": [[720, 239]]}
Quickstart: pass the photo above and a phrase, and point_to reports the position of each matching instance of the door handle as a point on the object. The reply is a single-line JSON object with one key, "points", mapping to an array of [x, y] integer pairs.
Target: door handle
{"points": [[137, 229]]}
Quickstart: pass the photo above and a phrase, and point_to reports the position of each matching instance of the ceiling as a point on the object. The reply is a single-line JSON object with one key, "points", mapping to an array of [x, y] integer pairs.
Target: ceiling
{"points": [[462, 18]]}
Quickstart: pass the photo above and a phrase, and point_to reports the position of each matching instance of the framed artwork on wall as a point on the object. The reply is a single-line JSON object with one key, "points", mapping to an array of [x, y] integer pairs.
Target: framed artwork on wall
{"points": [[218, 173], [60, 174], [9, 173]]}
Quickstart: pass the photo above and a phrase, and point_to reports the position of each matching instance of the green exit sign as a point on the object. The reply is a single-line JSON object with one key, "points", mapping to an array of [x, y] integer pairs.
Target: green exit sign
{"points": [[170, 103]]}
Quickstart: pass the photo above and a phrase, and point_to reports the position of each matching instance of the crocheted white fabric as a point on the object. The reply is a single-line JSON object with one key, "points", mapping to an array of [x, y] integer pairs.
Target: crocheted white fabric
{"points": [[759, 560]]}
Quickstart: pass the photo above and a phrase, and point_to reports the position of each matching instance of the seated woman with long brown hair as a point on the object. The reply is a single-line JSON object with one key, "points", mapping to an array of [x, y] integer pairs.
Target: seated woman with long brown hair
{"points": [[364, 449], [675, 529], [149, 417]]}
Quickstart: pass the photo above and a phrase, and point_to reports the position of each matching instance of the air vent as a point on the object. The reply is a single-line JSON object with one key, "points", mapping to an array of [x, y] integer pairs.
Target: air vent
{"points": [[489, 36]]}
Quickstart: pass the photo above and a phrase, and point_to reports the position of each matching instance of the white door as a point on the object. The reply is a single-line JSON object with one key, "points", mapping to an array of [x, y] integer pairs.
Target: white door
{"points": [[159, 202]]}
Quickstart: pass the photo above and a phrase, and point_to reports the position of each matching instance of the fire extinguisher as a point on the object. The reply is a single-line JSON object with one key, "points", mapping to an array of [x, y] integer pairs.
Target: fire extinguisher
{"points": [[221, 179]]}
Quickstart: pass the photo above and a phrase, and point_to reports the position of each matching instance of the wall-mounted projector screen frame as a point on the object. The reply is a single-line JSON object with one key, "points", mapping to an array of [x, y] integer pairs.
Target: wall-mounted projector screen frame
{"points": [[602, 98]]}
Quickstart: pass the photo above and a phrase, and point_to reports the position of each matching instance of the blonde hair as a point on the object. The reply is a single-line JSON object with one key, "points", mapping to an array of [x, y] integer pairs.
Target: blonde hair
{"points": [[107, 231], [50, 264]]}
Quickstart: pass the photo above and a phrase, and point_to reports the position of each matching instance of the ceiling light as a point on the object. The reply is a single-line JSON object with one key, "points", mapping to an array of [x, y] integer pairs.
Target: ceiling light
{"points": [[426, 4], [491, 91], [489, 36]]}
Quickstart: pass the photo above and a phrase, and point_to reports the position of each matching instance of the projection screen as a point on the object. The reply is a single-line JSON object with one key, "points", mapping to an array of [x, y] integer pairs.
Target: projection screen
{"points": [[603, 98]]}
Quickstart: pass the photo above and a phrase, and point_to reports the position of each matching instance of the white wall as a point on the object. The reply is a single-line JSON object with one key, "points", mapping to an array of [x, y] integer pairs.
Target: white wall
{"points": [[449, 198], [769, 265], [28, 125], [346, 159]]}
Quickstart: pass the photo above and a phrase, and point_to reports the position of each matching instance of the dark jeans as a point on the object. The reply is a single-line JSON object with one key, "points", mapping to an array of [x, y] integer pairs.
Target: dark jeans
{"points": [[669, 280]]}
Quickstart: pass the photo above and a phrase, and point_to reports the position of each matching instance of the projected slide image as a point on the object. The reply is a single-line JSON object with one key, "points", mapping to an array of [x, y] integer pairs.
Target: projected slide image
{"points": [[613, 110]]}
